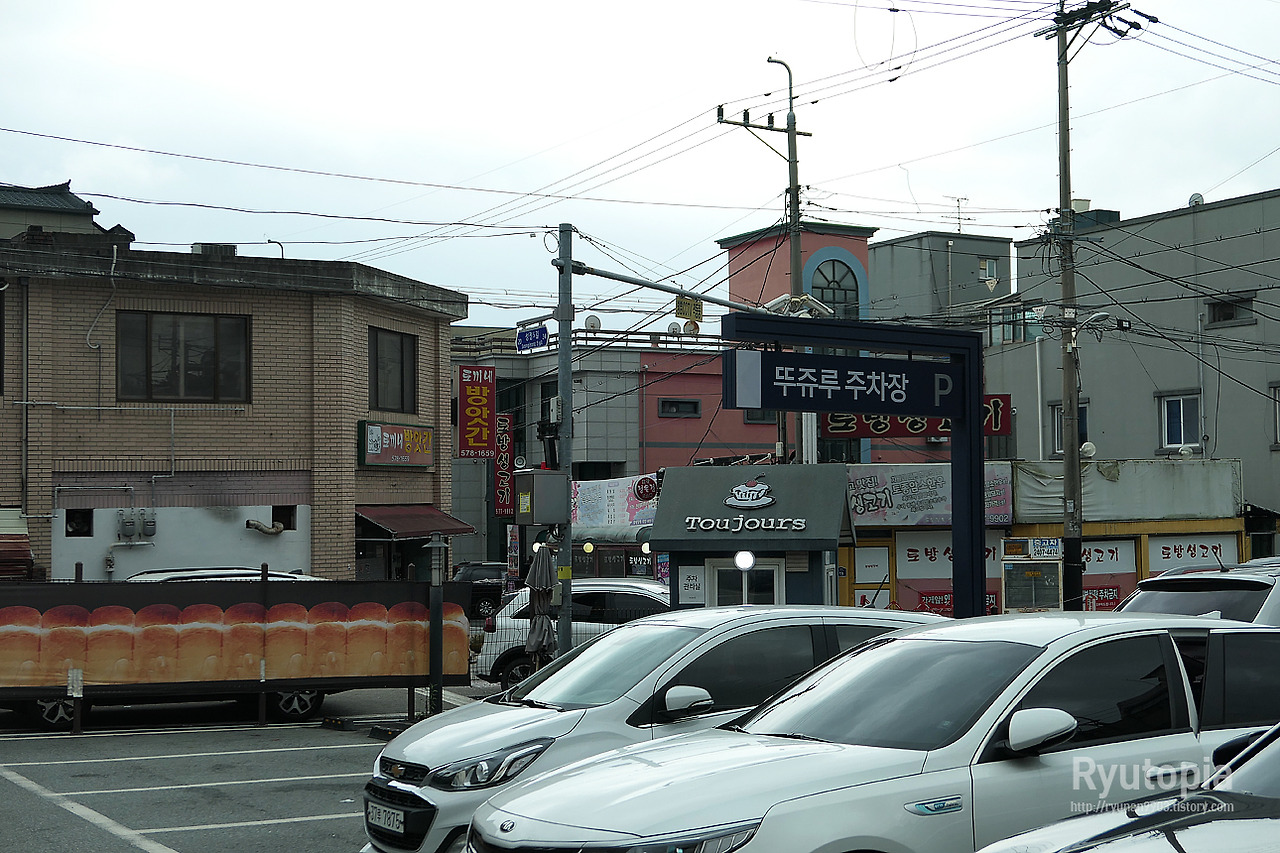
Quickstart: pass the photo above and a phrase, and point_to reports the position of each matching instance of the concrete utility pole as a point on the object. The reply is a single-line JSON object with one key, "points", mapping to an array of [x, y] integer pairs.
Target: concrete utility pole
{"points": [[564, 389], [807, 441], [1064, 25]]}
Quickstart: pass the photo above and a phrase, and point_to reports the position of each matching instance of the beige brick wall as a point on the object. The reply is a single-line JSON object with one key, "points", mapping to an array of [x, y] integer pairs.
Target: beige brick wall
{"points": [[309, 364]]}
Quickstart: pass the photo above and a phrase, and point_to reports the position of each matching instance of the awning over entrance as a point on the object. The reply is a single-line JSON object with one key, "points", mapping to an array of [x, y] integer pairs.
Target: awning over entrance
{"points": [[757, 507], [414, 521], [612, 534]]}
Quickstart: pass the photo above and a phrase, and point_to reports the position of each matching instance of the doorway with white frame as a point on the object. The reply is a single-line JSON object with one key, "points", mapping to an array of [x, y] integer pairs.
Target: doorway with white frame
{"points": [[762, 581]]}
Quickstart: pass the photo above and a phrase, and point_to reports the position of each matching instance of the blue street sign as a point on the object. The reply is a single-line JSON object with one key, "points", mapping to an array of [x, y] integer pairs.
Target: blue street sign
{"points": [[531, 338]]}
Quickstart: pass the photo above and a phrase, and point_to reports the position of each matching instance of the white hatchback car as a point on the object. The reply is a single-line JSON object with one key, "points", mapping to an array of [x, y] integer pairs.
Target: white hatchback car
{"points": [[932, 740], [676, 672], [599, 605]]}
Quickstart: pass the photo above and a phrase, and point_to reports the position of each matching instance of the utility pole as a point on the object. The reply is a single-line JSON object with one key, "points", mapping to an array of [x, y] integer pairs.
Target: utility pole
{"points": [[1066, 24], [564, 389], [807, 441]]}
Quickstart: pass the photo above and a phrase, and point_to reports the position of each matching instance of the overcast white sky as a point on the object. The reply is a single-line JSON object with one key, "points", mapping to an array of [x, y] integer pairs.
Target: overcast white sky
{"points": [[445, 141]]}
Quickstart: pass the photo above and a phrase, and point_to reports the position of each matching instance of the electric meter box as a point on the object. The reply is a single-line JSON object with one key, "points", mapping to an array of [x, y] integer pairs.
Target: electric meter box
{"points": [[541, 496]]}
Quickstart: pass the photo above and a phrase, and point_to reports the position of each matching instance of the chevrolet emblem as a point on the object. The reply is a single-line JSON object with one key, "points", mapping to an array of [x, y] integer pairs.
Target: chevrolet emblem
{"points": [[396, 771]]}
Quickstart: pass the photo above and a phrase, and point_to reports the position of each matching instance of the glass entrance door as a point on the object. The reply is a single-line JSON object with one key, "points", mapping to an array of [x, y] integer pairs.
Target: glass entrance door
{"points": [[762, 584]]}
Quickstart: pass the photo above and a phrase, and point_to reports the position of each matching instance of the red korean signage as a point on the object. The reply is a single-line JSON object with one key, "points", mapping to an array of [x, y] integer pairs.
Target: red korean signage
{"points": [[477, 410], [396, 444], [504, 493], [997, 420]]}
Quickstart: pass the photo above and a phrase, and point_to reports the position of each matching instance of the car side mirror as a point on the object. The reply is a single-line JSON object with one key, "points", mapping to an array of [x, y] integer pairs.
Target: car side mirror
{"points": [[1229, 750], [685, 700], [1033, 730]]}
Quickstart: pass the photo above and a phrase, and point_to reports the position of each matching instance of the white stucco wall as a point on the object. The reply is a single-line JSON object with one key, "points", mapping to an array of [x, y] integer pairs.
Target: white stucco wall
{"points": [[184, 537]]}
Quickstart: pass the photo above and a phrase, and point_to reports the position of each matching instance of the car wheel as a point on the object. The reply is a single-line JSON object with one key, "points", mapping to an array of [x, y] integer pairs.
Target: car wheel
{"points": [[485, 608], [516, 670], [294, 706], [56, 714]]}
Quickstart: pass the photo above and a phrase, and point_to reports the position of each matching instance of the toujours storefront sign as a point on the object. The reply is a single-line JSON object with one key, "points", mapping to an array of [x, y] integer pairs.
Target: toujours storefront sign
{"points": [[775, 507], [743, 524]]}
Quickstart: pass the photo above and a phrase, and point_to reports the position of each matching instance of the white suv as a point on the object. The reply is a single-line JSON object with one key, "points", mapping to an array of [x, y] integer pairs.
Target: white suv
{"points": [[676, 672], [935, 739], [1247, 592], [599, 605]]}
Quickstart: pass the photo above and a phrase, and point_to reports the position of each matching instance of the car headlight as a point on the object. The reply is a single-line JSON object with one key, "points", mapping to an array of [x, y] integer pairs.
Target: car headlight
{"points": [[722, 842], [488, 770]]}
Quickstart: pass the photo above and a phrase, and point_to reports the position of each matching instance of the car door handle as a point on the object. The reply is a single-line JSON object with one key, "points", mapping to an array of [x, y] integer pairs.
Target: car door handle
{"points": [[1181, 770]]}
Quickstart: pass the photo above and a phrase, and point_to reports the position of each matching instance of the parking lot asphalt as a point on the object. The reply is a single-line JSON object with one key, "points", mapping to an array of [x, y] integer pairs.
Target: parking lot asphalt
{"points": [[197, 777]]}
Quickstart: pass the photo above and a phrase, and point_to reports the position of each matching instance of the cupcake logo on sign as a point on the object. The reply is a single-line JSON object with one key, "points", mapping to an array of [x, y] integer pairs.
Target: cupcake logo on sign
{"points": [[752, 494]]}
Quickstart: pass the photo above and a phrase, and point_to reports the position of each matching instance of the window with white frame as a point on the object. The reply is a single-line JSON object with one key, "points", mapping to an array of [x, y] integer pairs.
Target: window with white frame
{"points": [[1180, 420], [1082, 416], [1231, 310], [987, 268]]}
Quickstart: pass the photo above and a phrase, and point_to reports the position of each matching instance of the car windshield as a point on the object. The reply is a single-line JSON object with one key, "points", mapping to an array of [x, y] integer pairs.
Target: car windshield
{"points": [[600, 671], [907, 693], [1195, 597], [1260, 775]]}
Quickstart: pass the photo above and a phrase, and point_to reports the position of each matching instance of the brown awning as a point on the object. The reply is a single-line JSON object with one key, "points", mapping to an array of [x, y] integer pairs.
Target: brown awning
{"points": [[414, 521]]}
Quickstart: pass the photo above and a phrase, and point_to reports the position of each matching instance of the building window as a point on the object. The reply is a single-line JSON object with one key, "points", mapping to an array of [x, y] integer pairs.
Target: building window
{"points": [[79, 522], [835, 285], [987, 269], [759, 416], [1231, 311], [1180, 420], [286, 515], [201, 357], [393, 371], [1012, 325], [1082, 419], [668, 408], [511, 401], [1275, 414]]}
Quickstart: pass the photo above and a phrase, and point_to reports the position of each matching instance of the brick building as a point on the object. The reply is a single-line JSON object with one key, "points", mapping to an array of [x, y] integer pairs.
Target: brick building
{"points": [[201, 409]]}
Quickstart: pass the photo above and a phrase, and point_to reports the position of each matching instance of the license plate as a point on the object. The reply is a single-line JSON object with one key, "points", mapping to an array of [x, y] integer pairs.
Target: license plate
{"points": [[380, 816]]}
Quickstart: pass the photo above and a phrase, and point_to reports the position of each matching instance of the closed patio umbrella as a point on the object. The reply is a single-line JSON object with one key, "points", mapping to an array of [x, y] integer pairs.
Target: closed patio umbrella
{"points": [[541, 581]]}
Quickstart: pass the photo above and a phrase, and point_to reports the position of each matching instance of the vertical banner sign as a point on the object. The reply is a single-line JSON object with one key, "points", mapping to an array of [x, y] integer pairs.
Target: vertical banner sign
{"points": [[504, 503], [477, 397]]}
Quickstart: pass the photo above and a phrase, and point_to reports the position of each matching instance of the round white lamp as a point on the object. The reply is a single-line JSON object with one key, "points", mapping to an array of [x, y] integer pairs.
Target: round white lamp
{"points": [[745, 560]]}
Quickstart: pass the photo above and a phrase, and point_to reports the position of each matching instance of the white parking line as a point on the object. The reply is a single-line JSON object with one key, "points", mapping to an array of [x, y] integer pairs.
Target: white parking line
{"points": [[250, 823], [99, 820], [364, 775], [193, 755]]}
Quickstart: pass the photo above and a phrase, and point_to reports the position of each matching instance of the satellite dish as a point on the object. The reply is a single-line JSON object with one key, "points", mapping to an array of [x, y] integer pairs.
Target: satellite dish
{"points": [[592, 322], [674, 329], [690, 327], [1195, 199]]}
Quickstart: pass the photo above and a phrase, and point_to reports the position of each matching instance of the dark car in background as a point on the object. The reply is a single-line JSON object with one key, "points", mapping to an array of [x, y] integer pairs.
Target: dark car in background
{"points": [[488, 583]]}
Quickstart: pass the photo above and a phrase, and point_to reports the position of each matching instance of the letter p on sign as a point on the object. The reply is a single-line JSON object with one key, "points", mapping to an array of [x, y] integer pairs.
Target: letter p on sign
{"points": [[942, 387]]}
